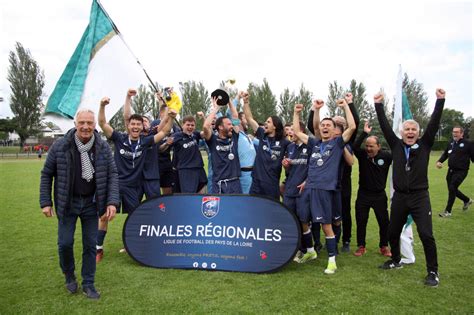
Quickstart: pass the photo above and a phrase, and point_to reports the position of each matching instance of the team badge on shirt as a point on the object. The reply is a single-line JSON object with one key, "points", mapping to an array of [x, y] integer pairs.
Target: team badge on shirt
{"points": [[210, 206], [380, 162], [461, 145]]}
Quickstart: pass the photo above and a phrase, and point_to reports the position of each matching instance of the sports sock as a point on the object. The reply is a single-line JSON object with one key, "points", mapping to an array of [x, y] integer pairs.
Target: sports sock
{"points": [[331, 245], [307, 240], [316, 230]]}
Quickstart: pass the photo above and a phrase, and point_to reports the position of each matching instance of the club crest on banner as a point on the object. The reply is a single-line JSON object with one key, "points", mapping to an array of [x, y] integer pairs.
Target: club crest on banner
{"points": [[210, 206]]}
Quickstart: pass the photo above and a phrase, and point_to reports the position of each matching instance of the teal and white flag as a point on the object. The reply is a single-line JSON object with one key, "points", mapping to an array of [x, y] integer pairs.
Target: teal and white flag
{"points": [[402, 112], [102, 65]]}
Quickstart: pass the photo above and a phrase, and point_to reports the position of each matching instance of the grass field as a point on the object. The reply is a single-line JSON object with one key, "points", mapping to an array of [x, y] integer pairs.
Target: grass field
{"points": [[31, 280]]}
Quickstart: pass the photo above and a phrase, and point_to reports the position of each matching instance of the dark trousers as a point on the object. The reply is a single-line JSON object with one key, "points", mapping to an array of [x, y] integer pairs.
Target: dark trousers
{"points": [[378, 202], [85, 209], [418, 205], [346, 215], [454, 179]]}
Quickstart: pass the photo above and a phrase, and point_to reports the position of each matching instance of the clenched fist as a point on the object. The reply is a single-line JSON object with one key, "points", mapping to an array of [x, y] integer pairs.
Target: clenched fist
{"points": [[440, 93]]}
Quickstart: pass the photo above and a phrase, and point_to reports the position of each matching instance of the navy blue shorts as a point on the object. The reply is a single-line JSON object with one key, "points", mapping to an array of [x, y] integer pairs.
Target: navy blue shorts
{"points": [[151, 188], [292, 203], [167, 177], [265, 189], [130, 197], [227, 187], [337, 206], [316, 206], [192, 180]]}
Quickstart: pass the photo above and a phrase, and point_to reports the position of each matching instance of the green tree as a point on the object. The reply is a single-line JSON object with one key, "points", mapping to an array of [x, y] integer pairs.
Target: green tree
{"points": [[304, 97], [450, 118], [195, 98], [7, 125], [336, 92], [117, 121], [468, 128], [262, 101], [142, 102], [365, 110], [286, 105], [154, 110], [26, 83], [417, 99]]}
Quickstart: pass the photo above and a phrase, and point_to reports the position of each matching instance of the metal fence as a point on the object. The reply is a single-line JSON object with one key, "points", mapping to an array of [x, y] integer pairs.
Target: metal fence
{"points": [[27, 155]]}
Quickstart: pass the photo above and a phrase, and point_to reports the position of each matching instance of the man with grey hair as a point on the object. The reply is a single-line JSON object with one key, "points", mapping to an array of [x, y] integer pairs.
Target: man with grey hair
{"points": [[85, 187], [410, 180]]}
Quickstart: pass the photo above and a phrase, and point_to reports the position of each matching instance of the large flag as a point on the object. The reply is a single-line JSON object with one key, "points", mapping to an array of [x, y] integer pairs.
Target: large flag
{"points": [[102, 65], [401, 113]]}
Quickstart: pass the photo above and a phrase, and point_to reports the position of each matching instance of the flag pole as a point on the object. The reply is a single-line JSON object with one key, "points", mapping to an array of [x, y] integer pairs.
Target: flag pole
{"points": [[126, 45], [134, 56]]}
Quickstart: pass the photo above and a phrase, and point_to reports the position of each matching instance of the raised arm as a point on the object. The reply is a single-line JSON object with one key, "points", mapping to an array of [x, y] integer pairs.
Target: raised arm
{"points": [[388, 133], [296, 124], [207, 127], [232, 108], [351, 126], [161, 102], [106, 128], [166, 128], [248, 113], [348, 97], [309, 124], [433, 124], [317, 105], [362, 136], [127, 106]]}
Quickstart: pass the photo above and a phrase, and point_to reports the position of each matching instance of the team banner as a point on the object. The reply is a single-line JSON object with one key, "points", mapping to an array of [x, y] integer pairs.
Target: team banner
{"points": [[224, 232]]}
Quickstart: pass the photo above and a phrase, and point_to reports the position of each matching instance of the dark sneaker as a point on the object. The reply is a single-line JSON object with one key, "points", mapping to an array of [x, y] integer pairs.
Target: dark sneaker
{"points": [[467, 204], [432, 279], [346, 248], [385, 251], [99, 255], [91, 293], [71, 284], [390, 264], [445, 214]]}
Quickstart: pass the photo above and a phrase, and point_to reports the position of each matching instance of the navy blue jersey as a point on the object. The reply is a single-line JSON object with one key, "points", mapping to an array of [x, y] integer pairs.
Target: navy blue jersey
{"points": [[324, 163], [130, 156], [270, 153], [225, 157], [186, 150], [298, 170]]}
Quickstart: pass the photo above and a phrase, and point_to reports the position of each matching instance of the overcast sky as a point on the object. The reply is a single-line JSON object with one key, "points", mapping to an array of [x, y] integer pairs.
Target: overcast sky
{"points": [[287, 42]]}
